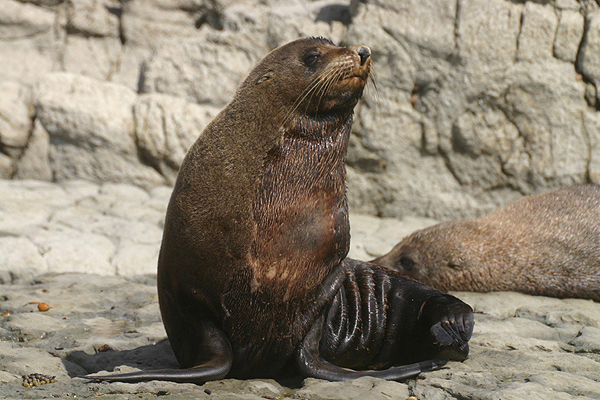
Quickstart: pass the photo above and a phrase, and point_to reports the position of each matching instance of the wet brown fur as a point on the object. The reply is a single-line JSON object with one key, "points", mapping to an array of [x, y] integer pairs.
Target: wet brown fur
{"points": [[258, 217], [548, 244]]}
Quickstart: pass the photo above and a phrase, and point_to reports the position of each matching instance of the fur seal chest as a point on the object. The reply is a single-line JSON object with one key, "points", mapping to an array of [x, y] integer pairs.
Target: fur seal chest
{"points": [[252, 273]]}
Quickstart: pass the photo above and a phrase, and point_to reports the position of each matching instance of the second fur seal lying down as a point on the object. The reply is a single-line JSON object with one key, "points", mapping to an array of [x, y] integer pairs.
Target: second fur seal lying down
{"points": [[252, 273], [548, 244]]}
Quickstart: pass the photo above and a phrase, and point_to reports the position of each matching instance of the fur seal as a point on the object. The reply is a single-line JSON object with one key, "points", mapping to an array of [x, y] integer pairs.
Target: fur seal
{"points": [[252, 272], [547, 244]]}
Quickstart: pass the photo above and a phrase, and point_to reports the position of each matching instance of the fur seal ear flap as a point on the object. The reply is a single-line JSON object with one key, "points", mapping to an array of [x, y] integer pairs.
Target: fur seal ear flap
{"points": [[456, 263], [265, 77]]}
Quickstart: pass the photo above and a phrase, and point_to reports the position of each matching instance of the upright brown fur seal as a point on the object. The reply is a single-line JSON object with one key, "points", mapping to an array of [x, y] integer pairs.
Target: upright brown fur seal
{"points": [[548, 244], [252, 273]]}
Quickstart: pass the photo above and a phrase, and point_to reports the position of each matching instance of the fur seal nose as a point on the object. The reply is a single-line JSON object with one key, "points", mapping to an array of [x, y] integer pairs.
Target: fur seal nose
{"points": [[364, 52]]}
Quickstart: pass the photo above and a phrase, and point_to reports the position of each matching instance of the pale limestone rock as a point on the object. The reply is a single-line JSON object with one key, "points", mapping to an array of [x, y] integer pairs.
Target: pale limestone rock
{"points": [[373, 237], [455, 128], [591, 125], [28, 204], [166, 127], [79, 189], [123, 192], [69, 250], [285, 23], [538, 29], [94, 57], [27, 41], [76, 108], [568, 35], [16, 112], [93, 17], [19, 20], [568, 4], [129, 65], [474, 116], [488, 32], [589, 54], [147, 23], [361, 388], [7, 167], [136, 259], [91, 129], [587, 340], [206, 71], [34, 162], [20, 260], [507, 139], [35, 325], [18, 360]]}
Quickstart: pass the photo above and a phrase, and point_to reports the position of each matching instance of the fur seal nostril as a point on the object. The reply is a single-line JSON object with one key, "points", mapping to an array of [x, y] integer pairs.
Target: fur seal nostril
{"points": [[364, 52]]}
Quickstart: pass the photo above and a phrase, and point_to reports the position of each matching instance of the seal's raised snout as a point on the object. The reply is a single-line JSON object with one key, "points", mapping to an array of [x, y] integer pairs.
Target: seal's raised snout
{"points": [[364, 52]]}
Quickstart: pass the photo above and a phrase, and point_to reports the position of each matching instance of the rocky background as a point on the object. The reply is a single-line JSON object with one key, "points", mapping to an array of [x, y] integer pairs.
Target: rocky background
{"points": [[88, 251], [475, 103]]}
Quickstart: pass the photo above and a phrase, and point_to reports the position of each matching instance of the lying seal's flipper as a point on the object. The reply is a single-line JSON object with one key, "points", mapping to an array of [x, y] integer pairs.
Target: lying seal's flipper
{"points": [[310, 363], [216, 363]]}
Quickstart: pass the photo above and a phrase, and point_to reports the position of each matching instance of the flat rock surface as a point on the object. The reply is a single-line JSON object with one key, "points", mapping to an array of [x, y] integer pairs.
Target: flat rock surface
{"points": [[104, 317]]}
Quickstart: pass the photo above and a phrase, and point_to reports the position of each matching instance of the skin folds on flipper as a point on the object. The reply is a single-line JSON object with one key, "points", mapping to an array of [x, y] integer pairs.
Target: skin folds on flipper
{"points": [[378, 321]]}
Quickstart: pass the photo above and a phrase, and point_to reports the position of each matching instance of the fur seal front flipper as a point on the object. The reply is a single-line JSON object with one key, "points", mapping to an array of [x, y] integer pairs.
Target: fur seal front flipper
{"points": [[376, 314], [311, 363]]}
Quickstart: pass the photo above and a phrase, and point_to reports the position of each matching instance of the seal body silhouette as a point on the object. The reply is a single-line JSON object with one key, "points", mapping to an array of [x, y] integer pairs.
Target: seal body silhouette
{"points": [[547, 244], [252, 273]]}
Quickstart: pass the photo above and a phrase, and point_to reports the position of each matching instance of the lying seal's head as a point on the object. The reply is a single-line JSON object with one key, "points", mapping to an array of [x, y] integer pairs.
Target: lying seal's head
{"points": [[309, 76], [452, 255]]}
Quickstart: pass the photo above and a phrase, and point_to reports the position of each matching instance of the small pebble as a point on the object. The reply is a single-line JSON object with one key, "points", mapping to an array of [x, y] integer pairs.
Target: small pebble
{"points": [[41, 306], [105, 347]]}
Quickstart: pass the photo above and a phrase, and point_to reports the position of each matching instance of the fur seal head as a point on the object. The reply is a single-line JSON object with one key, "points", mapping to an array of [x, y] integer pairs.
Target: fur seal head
{"points": [[309, 76]]}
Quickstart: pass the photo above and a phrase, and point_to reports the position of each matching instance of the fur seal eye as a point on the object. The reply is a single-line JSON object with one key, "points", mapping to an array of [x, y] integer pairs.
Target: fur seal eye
{"points": [[407, 263], [454, 265], [311, 58]]}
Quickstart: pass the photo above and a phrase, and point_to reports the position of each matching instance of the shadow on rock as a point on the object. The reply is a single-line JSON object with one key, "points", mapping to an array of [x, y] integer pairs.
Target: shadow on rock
{"points": [[159, 356]]}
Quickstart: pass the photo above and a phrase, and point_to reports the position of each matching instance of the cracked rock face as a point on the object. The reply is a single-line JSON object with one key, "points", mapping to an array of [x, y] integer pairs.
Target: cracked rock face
{"points": [[476, 102]]}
